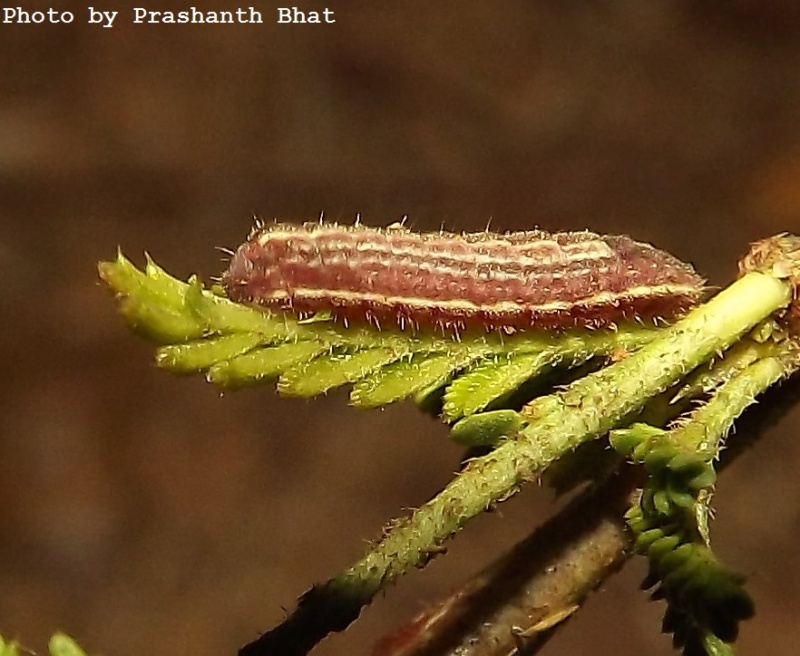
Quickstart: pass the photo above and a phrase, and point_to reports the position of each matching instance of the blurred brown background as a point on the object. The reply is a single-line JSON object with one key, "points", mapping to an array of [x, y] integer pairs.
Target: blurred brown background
{"points": [[148, 514]]}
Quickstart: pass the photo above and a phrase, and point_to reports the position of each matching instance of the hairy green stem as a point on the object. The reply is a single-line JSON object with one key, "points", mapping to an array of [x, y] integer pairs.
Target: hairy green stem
{"points": [[561, 562], [557, 423], [711, 422], [588, 408]]}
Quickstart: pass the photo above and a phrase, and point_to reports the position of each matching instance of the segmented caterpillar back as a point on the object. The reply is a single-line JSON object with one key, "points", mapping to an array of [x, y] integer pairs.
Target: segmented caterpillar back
{"points": [[511, 281]]}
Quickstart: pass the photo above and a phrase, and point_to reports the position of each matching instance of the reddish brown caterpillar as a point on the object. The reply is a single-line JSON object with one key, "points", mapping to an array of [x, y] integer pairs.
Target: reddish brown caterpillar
{"points": [[509, 282]]}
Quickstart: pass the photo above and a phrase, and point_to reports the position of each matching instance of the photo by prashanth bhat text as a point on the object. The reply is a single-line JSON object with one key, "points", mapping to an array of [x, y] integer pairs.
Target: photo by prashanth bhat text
{"points": [[145, 16]]}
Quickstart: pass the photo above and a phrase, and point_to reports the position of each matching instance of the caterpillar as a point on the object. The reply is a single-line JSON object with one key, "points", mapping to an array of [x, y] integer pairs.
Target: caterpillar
{"points": [[507, 282]]}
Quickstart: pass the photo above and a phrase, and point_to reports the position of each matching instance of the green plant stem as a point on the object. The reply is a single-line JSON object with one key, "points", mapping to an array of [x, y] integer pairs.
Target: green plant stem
{"points": [[559, 422], [712, 421], [552, 571]]}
